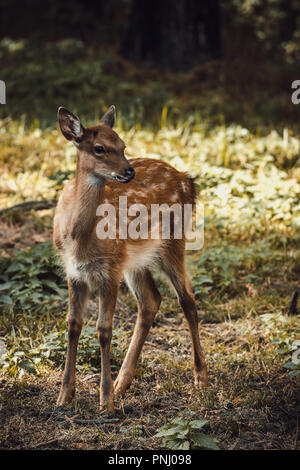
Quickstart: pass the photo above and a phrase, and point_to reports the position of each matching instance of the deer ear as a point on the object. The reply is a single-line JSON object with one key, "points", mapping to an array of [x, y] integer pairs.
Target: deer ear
{"points": [[109, 118], [70, 125]]}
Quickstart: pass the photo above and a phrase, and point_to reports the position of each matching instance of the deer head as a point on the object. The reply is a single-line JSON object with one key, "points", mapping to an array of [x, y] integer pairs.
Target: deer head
{"points": [[100, 149]]}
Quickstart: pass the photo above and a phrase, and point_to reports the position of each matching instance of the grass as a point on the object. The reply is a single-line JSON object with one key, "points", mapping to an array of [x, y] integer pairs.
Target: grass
{"points": [[251, 402], [249, 183]]}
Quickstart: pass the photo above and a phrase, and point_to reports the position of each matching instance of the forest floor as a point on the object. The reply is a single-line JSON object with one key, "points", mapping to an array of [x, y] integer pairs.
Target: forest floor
{"points": [[250, 403], [243, 279]]}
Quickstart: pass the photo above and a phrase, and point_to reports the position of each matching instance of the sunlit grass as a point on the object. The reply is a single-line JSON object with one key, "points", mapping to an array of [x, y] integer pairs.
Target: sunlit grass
{"points": [[242, 278], [247, 181]]}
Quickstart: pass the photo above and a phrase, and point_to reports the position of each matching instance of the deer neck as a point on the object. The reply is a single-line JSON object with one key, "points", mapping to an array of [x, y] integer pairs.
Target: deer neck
{"points": [[89, 190]]}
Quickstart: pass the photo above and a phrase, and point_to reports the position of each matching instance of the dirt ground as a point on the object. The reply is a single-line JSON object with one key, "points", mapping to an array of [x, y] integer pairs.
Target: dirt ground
{"points": [[251, 401], [30, 420]]}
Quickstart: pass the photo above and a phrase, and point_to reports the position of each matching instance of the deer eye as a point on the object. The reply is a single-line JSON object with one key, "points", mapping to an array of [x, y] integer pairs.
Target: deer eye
{"points": [[99, 149]]}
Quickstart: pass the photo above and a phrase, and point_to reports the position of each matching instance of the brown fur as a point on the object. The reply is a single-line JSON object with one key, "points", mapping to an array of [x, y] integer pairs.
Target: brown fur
{"points": [[94, 264]]}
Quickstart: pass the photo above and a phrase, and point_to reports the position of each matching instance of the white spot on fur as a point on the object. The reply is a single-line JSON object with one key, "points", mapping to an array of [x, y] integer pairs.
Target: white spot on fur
{"points": [[184, 186], [132, 193]]}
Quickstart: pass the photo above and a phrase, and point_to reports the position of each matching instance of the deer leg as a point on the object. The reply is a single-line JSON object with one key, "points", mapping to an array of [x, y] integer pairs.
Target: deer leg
{"points": [[148, 298], [78, 295], [107, 297], [181, 283]]}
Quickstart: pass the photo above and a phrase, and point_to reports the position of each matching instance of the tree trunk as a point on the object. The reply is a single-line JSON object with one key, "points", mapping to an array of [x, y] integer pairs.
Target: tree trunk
{"points": [[176, 34]]}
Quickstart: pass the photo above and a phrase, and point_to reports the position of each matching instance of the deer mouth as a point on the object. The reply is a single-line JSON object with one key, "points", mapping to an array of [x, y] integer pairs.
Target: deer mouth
{"points": [[129, 174], [113, 176], [122, 179]]}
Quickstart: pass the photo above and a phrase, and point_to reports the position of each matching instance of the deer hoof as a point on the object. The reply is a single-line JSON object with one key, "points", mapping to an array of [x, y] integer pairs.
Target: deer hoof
{"points": [[122, 383], [64, 398], [200, 380], [107, 409]]}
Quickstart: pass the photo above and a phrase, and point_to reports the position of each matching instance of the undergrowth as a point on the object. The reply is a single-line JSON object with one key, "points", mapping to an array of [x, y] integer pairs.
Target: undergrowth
{"points": [[249, 184]]}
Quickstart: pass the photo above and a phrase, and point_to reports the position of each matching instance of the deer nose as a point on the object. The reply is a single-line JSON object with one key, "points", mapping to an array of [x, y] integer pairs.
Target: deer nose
{"points": [[129, 172]]}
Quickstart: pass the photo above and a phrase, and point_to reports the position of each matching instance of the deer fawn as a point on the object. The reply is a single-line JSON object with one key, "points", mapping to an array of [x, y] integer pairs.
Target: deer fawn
{"points": [[94, 264]]}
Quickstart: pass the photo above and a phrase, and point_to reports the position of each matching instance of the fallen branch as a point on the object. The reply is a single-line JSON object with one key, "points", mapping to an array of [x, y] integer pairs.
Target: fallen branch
{"points": [[86, 422], [27, 206], [292, 307], [47, 443]]}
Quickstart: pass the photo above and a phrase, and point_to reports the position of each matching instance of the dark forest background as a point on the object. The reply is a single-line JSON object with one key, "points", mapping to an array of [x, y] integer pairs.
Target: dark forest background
{"points": [[232, 60]]}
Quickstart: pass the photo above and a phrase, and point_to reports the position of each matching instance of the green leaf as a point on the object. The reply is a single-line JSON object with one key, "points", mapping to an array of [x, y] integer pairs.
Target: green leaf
{"points": [[182, 422], [293, 373], [52, 284], [28, 366], [14, 267], [204, 442], [198, 423], [178, 444], [203, 280], [173, 431], [5, 299], [6, 285], [291, 365]]}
